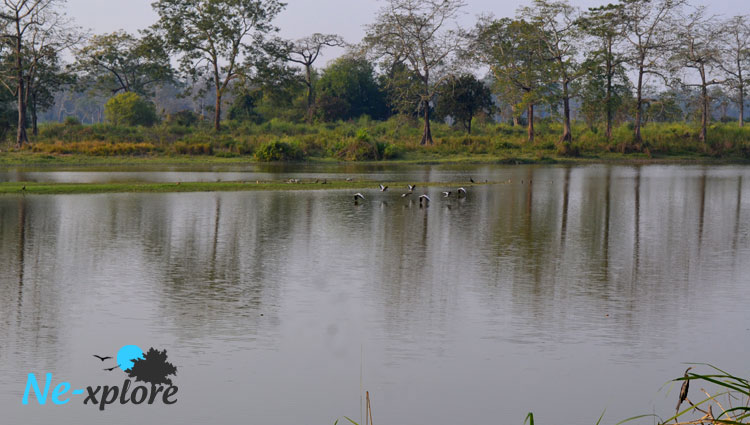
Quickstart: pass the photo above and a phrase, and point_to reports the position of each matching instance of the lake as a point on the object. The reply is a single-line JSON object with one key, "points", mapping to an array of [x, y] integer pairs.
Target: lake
{"points": [[559, 290]]}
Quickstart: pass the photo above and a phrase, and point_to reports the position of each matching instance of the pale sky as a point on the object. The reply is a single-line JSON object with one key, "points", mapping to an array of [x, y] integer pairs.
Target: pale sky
{"points": [[303, 17]]}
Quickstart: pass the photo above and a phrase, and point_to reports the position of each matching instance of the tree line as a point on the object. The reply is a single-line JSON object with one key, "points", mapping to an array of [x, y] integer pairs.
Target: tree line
{"points": [[626, 61]]}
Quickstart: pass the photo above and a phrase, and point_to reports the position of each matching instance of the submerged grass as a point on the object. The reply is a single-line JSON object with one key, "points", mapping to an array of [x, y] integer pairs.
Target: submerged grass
{"points": [[229, 186]]}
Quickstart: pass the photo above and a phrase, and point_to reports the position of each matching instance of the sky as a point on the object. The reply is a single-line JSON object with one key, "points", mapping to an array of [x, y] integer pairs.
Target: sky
{"points": [[303, 17]]}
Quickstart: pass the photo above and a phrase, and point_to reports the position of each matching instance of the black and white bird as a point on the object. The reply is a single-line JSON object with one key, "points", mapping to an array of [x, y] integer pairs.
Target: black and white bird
{"points": [[411, 187], [383, 188], [348, 179], [424, 198], [404, 195], [358, 196], [461, 191], [447, 194]]}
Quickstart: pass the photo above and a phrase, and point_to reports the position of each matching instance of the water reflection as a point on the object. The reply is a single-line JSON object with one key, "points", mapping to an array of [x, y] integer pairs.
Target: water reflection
{"points": [[539, 291]]}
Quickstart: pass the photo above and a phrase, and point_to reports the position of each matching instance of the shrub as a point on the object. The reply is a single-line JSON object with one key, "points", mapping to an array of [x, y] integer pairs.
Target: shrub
{"points": [[130, 109], [278, 151], [193, 148], [71, 121]]}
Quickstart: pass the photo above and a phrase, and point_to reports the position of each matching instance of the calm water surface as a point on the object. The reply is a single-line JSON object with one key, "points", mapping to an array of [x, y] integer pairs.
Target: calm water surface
{"points": [[562, 291]]}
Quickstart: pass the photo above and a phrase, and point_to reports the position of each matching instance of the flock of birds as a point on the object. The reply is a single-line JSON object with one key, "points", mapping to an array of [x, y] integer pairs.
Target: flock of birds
{"points": [[424, 199]]}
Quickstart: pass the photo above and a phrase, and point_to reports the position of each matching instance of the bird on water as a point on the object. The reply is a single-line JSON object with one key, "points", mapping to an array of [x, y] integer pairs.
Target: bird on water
{"points": [[461, 191], [383, 188], [411, 187]]}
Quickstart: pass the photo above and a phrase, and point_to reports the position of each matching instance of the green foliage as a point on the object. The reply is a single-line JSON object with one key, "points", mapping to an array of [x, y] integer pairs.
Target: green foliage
{"points": [[462, 98], [347, 89], [130, 109], [122, 62], [244, 107], [278, 151]]}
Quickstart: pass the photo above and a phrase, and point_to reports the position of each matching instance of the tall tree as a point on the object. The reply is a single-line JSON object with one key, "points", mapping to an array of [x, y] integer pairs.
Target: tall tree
{"points": [[48, 78], [698, 49], [349, 82], [646, 29], [305, 52], [560, 34], [736, 58], [123, 62], [462, 98], [512, 50], [416, 33], [603, 24], [213, 36], [29, 29]]}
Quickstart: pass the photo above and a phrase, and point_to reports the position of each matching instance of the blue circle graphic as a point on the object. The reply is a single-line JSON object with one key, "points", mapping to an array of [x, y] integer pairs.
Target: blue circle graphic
{"points": [[127, 354]]}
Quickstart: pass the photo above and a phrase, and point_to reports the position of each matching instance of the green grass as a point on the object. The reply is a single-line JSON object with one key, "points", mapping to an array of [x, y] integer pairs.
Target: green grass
{"points": [[395, 140], [79, 188]]}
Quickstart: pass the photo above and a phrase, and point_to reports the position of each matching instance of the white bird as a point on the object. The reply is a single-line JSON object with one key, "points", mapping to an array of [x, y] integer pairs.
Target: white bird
{"points": [[461, 190], [358, 196], [383, 188], [348, 179], [447, 194], [411, 187]]}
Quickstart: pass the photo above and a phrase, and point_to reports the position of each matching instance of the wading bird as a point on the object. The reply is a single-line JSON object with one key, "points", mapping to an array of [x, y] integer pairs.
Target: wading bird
{"points": [[383, 188], [684, 390], [102, 358]]}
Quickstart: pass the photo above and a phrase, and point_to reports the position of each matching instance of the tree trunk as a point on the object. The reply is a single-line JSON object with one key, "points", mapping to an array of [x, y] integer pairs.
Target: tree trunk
{"points": [[427, 135], [704, 107], [34, 127], [638, 110], [467, 125], [742, 105], [310, 94], [608, 97], [21, 136], [530, 124], [217, 112], [567, 136]]}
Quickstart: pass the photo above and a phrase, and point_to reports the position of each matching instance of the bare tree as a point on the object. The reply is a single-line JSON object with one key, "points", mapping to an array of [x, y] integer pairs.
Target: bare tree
{"points": [[416, 33], [559, 32], [29, 29], [646, 30], [305, 52], [698, 46], [735, 58]]}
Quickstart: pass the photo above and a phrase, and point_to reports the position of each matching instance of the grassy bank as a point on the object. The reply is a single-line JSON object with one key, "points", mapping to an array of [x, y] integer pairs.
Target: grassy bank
{"points": [[367, 140], [79, 188]]}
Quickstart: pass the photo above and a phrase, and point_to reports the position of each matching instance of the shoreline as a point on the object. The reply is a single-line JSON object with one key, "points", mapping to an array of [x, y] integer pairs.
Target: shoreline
{"points": [[77, 160], [33, 188]]}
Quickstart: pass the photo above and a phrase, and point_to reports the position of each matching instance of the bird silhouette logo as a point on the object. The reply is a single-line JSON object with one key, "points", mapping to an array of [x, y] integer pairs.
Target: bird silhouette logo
{"points": [[151, 367]]}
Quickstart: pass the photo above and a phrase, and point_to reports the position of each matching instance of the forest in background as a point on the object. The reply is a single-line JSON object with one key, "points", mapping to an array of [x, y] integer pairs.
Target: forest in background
{"points": [[216, 77]]}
